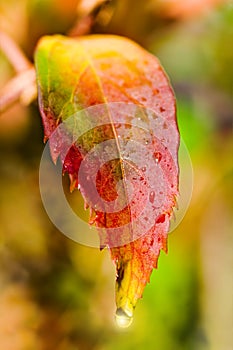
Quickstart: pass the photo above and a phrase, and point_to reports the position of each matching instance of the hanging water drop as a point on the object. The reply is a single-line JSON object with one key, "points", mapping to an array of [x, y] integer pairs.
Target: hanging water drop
{"points": [[123, 320]]}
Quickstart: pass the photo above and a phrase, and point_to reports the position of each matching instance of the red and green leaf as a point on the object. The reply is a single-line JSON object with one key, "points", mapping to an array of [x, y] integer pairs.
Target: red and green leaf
{"points": [[74, 74]]}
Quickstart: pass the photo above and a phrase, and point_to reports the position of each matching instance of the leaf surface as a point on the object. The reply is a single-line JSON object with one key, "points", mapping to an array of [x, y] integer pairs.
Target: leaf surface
{"points": [[126, 165]]}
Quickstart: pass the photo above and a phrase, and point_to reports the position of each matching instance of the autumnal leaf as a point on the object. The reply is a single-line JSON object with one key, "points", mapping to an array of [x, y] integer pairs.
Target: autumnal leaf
{"points": [[129, 116]]}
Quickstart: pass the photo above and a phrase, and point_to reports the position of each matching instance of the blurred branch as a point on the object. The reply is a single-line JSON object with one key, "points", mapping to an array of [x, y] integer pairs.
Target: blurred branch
{"points": [[87, 7], [82, 26], [14, 54], [90, 12], [20, 88], [23, 86]]}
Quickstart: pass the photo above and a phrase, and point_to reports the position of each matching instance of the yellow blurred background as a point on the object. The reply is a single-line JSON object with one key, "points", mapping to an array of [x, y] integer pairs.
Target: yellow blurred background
{"points": [[57, 294]]}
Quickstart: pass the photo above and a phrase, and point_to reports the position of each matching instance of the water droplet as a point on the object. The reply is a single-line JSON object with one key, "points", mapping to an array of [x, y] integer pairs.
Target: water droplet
{"points": [[157, 156], [143, 169], [155, 91], [123, 320], [160, 219], [79, 187], [146, 142], [152, 197], [55, 149]]}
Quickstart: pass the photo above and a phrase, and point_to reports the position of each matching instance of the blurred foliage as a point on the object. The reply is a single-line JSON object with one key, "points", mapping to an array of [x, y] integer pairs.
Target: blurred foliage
{"points": [[56, 294]]}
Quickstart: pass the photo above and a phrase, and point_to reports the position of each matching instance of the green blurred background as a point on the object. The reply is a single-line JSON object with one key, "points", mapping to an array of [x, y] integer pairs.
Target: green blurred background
{"points": [[57, 294]]}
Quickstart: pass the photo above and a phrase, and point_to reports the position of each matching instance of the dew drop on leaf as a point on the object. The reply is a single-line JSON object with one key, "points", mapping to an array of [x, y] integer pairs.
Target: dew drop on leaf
{"points": [[152, 197], [160, 219], [157, 156]]}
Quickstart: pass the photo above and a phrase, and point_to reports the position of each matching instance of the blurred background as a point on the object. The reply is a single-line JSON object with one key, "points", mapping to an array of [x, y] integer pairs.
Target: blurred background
{"points": [[57, 294]]}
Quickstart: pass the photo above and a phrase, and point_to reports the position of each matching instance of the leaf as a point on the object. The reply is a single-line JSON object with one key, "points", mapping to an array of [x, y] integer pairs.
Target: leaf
{"points": [[125, 163]]}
